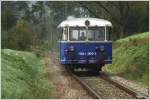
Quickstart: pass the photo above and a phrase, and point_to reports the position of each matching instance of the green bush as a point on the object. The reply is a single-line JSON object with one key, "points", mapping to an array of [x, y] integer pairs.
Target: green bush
{"points": [[23, 76]]}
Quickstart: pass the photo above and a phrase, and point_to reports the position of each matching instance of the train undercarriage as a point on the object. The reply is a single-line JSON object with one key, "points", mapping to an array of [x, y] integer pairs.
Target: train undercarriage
{"points": [[84, 67]]}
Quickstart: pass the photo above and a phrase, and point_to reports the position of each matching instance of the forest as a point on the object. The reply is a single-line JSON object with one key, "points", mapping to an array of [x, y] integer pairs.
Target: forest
{"points": [[34, 24]]}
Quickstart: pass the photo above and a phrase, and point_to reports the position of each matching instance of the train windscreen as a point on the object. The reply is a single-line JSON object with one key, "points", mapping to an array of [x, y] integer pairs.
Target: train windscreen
{"points": [[92, 34]]}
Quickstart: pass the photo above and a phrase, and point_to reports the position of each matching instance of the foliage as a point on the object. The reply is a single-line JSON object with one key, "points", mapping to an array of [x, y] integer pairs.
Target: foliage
{"points": [[23, 76], [43, 17], [130, 58], [11, 12], [9, 17], [126, 17], [18, 37]]}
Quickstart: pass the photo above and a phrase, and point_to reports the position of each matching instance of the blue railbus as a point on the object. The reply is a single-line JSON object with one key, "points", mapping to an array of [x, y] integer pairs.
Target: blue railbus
{"points": [[85, 43]]}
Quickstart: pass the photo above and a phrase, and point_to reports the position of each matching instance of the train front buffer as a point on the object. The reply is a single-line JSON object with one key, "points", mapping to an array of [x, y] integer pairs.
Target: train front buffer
{"points": [[86, 53]]}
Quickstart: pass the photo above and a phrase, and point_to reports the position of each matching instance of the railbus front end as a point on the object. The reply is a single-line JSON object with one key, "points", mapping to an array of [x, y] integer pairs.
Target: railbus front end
{"points": [[85, 43]]}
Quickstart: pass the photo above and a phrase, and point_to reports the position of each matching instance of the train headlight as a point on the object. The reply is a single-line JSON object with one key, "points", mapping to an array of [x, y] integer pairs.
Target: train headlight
{"points": [[66, 50], [71, 48], [101, 48], [97, 49], [87, 22]]}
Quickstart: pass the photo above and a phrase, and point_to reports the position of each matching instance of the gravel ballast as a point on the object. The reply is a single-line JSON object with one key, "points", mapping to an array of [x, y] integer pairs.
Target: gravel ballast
{"points": [[64, 85]]}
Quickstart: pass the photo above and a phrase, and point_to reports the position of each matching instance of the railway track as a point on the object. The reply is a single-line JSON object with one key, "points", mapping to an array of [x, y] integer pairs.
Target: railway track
{"points": [[102, 87]]}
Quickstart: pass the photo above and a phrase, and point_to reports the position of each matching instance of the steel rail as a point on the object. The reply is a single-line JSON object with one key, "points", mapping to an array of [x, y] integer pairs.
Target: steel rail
{"points": [[135, 94], [85, 86]]}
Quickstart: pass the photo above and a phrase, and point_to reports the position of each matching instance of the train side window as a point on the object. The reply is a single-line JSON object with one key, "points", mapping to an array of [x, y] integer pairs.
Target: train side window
{"points": [[65, 35], [73, 35]]}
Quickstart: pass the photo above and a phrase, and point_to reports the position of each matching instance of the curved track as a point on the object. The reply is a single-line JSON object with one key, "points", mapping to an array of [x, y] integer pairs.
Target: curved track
{"points": [[102, 87]]}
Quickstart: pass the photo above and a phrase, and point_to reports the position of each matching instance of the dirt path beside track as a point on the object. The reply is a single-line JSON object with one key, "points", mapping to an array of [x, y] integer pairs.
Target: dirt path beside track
{"points": [[65, 86]]}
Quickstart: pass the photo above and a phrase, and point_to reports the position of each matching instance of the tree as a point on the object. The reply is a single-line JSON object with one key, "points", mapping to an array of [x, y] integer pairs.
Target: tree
{"points": [[19, 37], [43, 17], [127, 17], [9, 15]]}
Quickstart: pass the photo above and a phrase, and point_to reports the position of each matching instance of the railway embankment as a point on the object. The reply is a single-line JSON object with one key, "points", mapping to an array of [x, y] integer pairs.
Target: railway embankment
{"points": [[23, 76], [131, 59]]}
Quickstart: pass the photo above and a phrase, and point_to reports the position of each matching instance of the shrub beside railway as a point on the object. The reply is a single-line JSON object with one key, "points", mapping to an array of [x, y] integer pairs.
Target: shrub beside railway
{"points": [[23, 76], [130, 58]]}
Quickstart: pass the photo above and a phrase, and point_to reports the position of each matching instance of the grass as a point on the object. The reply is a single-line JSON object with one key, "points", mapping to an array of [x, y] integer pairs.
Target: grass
{"points": [[23, 76], [131, 58], [135, 36]]}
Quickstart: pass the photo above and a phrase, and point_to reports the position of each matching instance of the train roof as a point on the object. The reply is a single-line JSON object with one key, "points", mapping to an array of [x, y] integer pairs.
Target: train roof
{"points": [[81, 22]]}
